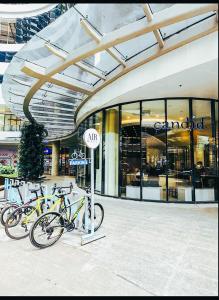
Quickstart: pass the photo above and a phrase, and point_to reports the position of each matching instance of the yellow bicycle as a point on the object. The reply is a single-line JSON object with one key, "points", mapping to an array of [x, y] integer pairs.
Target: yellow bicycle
{"points": [[19, 222]]}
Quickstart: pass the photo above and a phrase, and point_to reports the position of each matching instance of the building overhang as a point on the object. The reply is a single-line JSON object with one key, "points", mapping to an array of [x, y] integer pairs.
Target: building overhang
{"points": [[76, 67]]}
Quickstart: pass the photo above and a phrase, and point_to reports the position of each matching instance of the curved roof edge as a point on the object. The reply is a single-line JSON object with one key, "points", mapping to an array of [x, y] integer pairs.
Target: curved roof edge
{"points": [[49, 58], [14, 11]]}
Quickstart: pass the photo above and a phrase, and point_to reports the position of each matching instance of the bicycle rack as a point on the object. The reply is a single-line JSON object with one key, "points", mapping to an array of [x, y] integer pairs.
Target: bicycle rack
{"points": [[90, 235], [12, 195]]}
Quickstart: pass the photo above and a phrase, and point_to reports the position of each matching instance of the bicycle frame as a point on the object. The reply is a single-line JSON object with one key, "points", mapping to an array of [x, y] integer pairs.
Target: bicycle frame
{"points": [[38, 206], [82, 201], [69, 218]]}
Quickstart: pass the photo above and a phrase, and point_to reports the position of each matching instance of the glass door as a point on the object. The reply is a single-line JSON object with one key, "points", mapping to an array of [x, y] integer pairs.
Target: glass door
{"points": [[153, 160], [179, 150]]}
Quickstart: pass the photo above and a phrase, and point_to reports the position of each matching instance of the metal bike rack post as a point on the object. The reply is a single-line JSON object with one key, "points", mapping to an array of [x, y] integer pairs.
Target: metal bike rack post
{"points": [[6, 188], [11, 194], [86, 215], [92, 139]]}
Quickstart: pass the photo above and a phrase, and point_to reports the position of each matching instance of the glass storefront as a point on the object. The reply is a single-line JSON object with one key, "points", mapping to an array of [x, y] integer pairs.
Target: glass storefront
{"points": [[179, 165], [130, 149], [155, 150], [153, 145]]}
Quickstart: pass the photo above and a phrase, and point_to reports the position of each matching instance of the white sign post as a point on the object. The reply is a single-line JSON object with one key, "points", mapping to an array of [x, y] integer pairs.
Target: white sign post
{"points": [[92, 140]]}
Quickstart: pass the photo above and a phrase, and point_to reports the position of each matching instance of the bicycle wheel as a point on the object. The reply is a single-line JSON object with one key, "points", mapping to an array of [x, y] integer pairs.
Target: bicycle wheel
{"points": [[47, 230], [6, 212], [20, 221], [98, 216], [3, 204]]}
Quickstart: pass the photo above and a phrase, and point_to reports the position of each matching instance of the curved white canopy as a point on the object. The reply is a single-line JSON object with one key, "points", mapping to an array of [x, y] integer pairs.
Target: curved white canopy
{"points": [[88, 47]]}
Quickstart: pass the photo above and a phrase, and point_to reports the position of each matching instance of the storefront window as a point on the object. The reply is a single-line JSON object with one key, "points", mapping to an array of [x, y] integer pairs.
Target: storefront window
{"points": [[80, 170], [153, 150], [204, 150], [64, 161], [156, 150], [130, 161], [111, 144], [178, 147], [217, 133]]}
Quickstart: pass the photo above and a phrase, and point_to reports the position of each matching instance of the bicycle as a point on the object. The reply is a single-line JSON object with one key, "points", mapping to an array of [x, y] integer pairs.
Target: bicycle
{"points": [[41, 232], [26, 214], [9, 206]]}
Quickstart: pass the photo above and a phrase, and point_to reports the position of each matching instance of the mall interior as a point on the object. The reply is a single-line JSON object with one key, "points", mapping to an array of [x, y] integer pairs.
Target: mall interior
{"points": [[145, 76]]}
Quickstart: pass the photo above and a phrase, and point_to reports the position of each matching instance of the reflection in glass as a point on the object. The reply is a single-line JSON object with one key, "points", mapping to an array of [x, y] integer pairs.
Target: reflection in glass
{"points": [[153, 151], [149, 155], [130, 163], [178, 142], [204, 151]]}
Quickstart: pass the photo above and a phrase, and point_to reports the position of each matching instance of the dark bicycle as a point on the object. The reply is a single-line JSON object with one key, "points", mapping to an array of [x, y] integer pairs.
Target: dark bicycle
{"points": [[49, 227]]}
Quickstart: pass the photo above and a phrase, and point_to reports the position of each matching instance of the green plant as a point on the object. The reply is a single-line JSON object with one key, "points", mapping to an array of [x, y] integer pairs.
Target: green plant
{"points": [[31, 156], [7, 170]]}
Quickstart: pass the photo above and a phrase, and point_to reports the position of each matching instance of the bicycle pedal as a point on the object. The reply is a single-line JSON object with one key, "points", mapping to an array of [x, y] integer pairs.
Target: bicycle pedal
{"points": [[70, 227]]}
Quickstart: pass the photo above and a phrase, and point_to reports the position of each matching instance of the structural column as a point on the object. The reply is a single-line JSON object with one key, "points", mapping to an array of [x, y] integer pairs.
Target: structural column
{"points": [[55, 158], [111, 152]]}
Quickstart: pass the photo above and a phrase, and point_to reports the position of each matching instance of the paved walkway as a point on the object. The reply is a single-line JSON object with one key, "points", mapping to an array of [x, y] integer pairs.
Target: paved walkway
{"points": [[149, 249]]}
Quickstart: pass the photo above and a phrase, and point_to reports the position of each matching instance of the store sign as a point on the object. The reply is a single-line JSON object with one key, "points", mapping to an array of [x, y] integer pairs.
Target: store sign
{"points": [[47, 151], [78, 162], [188, 124], [91, 138]]}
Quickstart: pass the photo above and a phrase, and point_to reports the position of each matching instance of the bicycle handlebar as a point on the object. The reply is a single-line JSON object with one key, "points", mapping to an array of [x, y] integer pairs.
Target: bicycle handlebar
{"points": [[87, 189], [62, 193]]}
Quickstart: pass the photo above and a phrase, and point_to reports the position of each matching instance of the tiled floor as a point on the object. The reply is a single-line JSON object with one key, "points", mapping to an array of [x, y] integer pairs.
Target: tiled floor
{"points": [[149, 249]]}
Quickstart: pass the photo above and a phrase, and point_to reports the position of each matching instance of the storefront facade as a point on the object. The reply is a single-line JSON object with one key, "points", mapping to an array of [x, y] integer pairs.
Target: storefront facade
{"points": [[156, 150], [64, 167]]}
